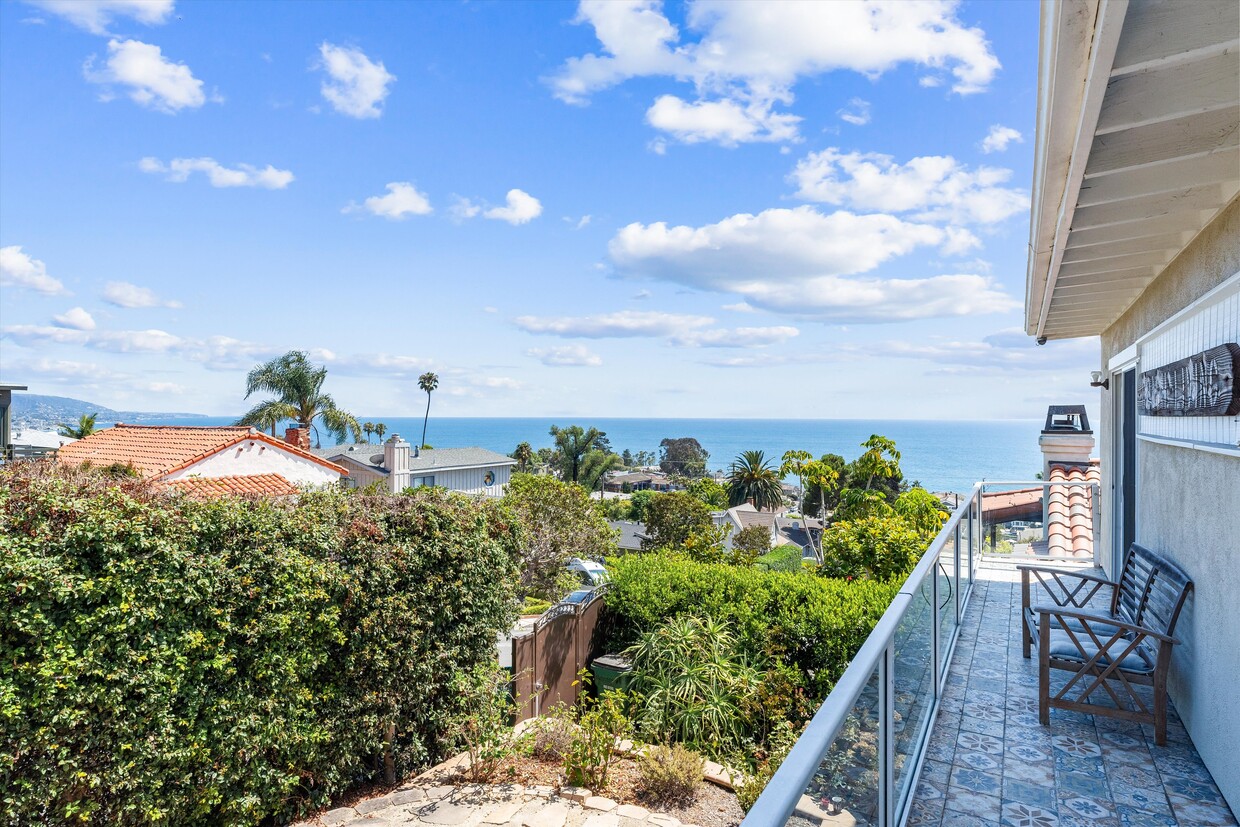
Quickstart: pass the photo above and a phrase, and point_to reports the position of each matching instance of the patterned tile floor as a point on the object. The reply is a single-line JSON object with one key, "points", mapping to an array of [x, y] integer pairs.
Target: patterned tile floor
{"points": [[989, 762]]}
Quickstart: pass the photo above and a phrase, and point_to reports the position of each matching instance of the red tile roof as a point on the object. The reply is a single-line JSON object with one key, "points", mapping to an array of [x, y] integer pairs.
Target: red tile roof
{"points": [[1070, 510], [158, 450], [1005, 506], [263, 485]]}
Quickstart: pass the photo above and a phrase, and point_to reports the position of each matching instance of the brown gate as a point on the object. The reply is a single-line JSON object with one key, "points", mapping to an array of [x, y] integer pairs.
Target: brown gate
{"points": [[546, 661]]}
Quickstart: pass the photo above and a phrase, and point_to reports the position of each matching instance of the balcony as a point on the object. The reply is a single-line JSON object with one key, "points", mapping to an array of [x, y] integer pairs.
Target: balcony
{"points": [[935, 722]]}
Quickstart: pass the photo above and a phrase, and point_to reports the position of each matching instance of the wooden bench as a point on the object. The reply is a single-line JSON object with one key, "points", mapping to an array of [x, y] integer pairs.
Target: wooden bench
{"points": [[1106, 648]]}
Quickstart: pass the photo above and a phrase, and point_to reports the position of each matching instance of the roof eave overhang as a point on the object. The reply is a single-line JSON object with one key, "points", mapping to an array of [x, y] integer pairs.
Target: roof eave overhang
{"points": [[1078, 49]]}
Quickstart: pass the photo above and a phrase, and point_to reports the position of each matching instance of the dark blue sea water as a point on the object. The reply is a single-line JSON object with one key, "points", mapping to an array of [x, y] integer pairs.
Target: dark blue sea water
{"points": [[942, 456]]}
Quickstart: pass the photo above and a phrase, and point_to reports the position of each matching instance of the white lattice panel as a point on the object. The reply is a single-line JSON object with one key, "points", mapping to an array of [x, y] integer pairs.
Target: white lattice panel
{"points": [[1214, 322]]}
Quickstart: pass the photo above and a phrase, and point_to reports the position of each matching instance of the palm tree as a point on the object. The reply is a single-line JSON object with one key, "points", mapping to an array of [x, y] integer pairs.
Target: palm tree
{"points": [[84, 427], [571, 446], [752, 478], [368, 428], [427, 382], [594, 465], [298, 385], [524, 455], [380, 430]]}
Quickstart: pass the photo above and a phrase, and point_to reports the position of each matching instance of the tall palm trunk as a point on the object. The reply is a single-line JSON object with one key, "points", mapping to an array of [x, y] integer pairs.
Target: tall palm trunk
{"points": [[425, 419]]}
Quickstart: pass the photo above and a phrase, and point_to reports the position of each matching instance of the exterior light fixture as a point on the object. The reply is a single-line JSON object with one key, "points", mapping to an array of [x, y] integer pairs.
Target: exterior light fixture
{"points": [[1097, 381]]}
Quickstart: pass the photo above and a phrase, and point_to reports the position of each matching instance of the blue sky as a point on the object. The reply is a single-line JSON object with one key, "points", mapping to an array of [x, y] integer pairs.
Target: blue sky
{"points": [[624, 209]]}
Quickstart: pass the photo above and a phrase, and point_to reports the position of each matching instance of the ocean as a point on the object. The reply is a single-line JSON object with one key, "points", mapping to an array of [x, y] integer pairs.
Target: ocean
{"points": [[942, 455]]}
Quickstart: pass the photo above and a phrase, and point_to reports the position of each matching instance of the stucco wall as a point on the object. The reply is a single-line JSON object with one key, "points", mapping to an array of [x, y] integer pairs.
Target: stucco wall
{"points": [[1187, 506], [257, 457]]}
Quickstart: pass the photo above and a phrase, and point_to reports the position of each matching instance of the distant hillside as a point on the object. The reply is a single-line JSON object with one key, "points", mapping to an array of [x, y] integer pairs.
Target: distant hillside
{"points": [[46, 413]]}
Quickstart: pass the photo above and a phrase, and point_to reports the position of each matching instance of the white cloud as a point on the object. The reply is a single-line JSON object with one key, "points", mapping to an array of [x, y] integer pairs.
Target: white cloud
{"points": [[403, 199], [178, 170], [152, 80], [393, 366], [930, 82], [740, 307], [1004, 351], [932, 187], [998, 138], [18, 269], [124, 294], [726, 122], [856, 113], [566, 356], [521, 208], [95, 16], [463, 209], [621, 324], [115, 341], [797, 262], [736, 337], [750, 55], [76, 318], [577, 223], [355, 85]]}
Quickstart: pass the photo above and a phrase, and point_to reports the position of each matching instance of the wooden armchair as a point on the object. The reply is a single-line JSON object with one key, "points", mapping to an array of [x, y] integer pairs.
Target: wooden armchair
{"points": [[1108, 649]]}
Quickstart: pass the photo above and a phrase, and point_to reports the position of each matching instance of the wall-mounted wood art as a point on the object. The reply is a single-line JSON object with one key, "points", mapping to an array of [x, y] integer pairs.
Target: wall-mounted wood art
{"points": [[1204, 384]]}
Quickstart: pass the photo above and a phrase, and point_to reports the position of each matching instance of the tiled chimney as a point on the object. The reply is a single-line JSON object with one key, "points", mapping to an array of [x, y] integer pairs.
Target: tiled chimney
{"points": [[1066, 437], [298, 437], [396, 454]]}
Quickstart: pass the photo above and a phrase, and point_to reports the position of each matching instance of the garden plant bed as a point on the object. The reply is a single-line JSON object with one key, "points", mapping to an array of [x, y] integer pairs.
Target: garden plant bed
{"points": [[712, 805]]}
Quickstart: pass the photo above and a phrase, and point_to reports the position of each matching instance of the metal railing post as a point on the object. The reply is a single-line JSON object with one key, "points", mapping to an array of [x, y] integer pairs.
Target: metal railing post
{"points": [[886, 737], [956, 572], [939, 673]]}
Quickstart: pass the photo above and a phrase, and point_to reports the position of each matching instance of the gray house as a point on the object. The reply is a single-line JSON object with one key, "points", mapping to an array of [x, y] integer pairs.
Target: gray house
{"points": [[398, 465]]}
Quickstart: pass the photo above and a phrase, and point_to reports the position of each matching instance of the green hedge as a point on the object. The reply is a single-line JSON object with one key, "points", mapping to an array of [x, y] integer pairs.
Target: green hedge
{"points": [[784, 558], [169, 661], [813, 623]]}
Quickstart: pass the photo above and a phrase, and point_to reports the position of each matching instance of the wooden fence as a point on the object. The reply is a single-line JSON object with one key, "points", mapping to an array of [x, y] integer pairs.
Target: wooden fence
{"points": [[546, 661]]}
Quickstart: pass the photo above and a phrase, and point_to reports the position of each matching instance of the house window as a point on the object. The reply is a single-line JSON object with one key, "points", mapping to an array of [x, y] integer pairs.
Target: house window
{"points": [[418, 482]]}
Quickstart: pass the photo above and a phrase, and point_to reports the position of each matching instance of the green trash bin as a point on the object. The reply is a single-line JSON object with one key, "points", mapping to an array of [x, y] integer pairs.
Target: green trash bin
{"points": [[611, 672]]}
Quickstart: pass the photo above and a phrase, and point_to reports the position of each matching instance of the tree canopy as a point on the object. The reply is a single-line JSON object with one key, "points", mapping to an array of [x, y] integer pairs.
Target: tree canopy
{"points": [[297, 384], [753, 478], [684, 456]]}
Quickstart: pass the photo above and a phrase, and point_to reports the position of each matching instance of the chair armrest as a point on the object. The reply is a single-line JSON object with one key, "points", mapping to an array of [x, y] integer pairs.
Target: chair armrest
{"points": [[1087, 619], [1065, 573]]}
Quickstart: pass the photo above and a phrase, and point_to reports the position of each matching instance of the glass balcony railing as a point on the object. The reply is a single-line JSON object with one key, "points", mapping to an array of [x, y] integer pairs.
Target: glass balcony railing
{"points": [[861, 753]]}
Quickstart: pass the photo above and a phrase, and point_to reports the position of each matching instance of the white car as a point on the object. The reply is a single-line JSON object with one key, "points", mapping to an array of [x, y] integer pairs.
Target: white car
{"points": [[590, 572]]}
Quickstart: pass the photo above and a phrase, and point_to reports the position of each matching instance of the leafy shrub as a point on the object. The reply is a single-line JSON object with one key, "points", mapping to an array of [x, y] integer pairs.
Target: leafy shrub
{"points": [[784, 558], [692, 683], [591, 750], [232, 661], [551, 734], [814, 624], [534, 606], [875, 548], [767, 762], [483, 718], [670, 775], [752, 542]]}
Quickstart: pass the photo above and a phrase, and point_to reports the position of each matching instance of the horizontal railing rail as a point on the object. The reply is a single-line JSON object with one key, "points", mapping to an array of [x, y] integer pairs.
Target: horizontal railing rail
{"points": [[877, 657]]}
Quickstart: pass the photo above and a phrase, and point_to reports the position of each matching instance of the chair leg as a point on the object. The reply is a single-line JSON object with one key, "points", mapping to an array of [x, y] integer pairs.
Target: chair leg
{"points": [[1160, 713], [1044, 672], [1026, 639]]}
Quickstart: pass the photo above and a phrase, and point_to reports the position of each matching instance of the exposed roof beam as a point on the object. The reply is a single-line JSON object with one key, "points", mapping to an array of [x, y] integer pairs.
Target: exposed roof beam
{"points": [[1164, 33], [1107, 28], [1174, 175], [1076, 291], [1168, 243], [1160, 95], [1161, 142], [1146, 227], [1200, 197], [1088, 264]]}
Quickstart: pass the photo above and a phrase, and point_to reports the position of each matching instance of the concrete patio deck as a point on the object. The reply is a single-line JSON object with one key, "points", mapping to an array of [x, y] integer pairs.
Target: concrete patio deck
{"points": [[989, 762]]}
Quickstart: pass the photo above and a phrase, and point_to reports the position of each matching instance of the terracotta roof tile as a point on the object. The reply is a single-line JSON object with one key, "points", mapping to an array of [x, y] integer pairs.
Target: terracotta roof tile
{"points": [[262, 485], [1070, 510], [158, 450]]}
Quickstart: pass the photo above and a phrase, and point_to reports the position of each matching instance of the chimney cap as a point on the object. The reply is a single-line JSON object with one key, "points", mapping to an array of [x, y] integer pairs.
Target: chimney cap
{"points": [[1066, 419]]}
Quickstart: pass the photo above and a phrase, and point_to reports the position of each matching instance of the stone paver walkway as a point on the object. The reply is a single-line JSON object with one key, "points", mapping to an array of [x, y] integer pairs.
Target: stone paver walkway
{"points": [[491, 805], [989, 762]]}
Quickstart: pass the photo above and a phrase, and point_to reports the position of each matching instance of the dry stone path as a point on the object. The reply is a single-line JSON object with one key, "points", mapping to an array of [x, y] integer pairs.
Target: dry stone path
{"points": [[490, 805]]}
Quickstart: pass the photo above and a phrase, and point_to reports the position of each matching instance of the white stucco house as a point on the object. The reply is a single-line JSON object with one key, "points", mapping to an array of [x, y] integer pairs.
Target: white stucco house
{"points": [[208, 461], [1135, 238], [398, 465]]}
